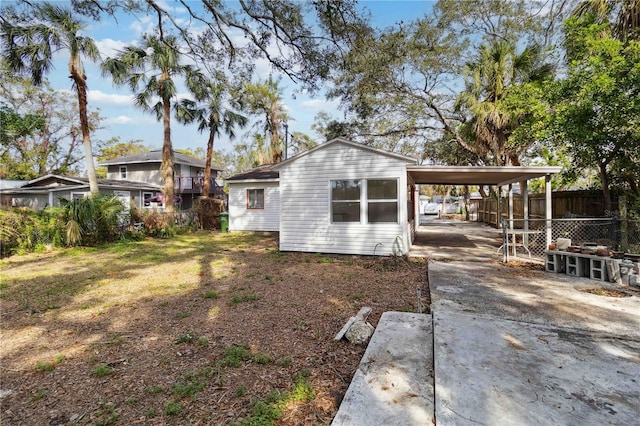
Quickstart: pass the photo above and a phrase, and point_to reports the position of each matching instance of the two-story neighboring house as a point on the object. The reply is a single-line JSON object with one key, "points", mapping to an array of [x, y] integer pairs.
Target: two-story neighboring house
{"points": [[135, 179], [145, 167]]}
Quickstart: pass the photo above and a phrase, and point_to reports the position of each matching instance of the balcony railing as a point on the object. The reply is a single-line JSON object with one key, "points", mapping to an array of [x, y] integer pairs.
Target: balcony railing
{"points": [[194, 185]]}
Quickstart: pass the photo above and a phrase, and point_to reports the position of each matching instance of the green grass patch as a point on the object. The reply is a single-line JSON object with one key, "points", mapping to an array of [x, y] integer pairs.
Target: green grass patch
{"points": [[285, 362], [211, 294], [192, 383], [105, 414], [41, 393], [172, 408], [322, 258], [240, 392], [235, 355], [181, 315], [102, 370], [153, 390], [243, 298], [268, 410], [186, 338], [263, 359], [49, 366], [3, 287]]}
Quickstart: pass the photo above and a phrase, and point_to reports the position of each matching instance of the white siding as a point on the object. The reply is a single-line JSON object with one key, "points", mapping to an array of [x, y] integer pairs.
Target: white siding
{"points": [[142, 172], [243, 219], [305, 203]]}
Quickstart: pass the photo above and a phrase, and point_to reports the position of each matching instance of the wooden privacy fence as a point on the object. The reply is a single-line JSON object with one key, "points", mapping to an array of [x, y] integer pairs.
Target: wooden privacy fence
{"points": [[564, 204]]}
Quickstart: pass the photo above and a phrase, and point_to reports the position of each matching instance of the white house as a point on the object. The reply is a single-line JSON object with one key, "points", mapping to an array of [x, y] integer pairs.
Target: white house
{"points": [[349, 198], [339, 197], [254, 200]]}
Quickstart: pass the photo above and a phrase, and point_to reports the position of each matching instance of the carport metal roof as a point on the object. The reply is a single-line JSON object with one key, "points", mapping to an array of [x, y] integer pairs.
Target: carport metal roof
{"points": [[477, 175]]}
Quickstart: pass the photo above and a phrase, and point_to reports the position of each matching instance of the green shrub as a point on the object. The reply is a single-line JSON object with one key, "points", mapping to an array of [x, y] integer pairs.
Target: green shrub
{"points": [[93, 220], [24, 230]]}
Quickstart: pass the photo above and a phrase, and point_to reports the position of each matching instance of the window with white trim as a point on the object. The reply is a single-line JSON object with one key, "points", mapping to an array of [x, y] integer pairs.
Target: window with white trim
{"points": [[345, 201], [364, 201], [382, 199], [123, 172], [255, 198]]}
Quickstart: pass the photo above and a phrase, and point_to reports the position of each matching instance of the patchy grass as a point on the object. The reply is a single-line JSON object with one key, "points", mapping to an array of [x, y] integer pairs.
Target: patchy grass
{"points": [[244, 298], [192, 383], [50, 365], [186, 338], [235, 355], [102, 370], [211, 294], [271, 408], [131, 320]]}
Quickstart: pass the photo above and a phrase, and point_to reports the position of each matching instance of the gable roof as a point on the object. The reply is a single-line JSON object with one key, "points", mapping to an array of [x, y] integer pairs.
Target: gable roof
{"points": [[54, 183], [263, 172], [155, 156], [346, 142]]}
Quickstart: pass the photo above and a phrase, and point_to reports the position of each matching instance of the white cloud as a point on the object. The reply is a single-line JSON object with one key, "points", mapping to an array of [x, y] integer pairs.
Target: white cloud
{"points": [[121, 119], [96, 96], [319, 105], [138, 120], [109, 47], [143, 25], [169, 8]]}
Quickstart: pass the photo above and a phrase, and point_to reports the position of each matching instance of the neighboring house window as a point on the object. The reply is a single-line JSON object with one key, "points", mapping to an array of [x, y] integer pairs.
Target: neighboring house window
{"points": [[350, 197], [123, 172], [146, 195], [255, 198], [345, 201], [382, 196], [76, 195]]}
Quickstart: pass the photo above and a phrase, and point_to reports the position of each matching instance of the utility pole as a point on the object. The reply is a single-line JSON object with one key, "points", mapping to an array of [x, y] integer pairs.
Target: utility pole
{"points": [[286, 137]]}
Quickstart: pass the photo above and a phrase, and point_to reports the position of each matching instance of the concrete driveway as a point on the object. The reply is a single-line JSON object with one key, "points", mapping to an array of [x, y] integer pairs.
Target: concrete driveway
{"points": [[456, 240], [515, 346], [511, 345]]}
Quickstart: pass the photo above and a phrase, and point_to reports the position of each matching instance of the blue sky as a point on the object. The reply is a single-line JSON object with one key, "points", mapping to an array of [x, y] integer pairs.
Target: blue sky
{"points": [[127, 122]]}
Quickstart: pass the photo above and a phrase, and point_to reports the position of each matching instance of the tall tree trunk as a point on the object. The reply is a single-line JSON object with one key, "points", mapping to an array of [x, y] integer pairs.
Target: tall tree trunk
{"points": [[276, 152], [167, 158], [207, 165], [81, 89], [604, 178]]}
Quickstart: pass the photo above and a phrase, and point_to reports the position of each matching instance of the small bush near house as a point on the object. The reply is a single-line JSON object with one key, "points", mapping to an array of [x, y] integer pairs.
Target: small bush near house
{"points": [[24, 230]]}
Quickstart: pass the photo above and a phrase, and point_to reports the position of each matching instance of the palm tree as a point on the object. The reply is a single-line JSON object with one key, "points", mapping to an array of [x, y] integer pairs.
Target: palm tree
{"points": [[626, 25], [210, 115], [28, 48], [266, 98], [149, 71], [488, 79]]}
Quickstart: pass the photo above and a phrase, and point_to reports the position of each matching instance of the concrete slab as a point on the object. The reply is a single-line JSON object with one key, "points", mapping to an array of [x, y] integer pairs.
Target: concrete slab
{"points": [[394, 381], [498, 372], [520, 294], [525, 347], [449, 239]]}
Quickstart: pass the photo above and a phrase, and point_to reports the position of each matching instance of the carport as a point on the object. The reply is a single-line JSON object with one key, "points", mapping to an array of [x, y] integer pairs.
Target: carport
{"points": [[499, 176]]}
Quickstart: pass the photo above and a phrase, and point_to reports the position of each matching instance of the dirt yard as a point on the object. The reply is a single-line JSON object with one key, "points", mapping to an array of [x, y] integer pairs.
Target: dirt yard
{"points": [[200, 329]]}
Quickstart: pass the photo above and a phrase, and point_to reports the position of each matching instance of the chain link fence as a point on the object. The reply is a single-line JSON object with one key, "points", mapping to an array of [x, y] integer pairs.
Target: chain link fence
{"points": [[529, 237]]}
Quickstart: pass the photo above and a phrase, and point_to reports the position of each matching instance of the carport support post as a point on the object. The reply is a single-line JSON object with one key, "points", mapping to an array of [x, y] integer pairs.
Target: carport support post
{"points": [[525, 211], [510, 206], [513, 236], [548, 208]]}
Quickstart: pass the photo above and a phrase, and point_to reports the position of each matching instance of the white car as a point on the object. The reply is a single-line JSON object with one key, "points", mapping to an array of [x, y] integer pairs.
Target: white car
{"points": [[432, 208]]}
